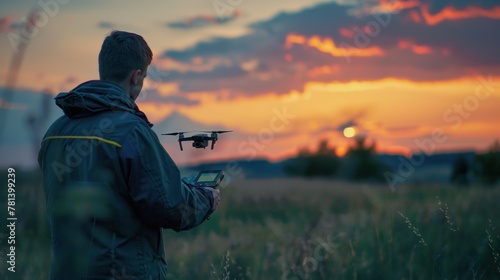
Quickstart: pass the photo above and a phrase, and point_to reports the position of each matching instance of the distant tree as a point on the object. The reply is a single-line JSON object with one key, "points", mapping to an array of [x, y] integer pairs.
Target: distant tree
{"points": [[460, 171], [320, 163], [487, 166], [361, 163]]}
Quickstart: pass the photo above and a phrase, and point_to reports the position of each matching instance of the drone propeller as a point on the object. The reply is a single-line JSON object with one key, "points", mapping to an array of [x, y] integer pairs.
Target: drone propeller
{"points": [[218, 131], [176, 133]]}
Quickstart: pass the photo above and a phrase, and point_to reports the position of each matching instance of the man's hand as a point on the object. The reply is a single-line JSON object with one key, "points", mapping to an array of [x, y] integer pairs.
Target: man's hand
{"points": [[216, 195], [189, 180], [215, 192]]}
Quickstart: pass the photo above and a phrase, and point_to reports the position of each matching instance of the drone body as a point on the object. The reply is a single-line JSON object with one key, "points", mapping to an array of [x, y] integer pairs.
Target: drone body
{"points": [[199, 140]]}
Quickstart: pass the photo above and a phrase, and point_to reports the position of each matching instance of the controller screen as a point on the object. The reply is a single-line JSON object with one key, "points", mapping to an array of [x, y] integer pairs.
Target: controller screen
{"points": [[207, 177]]}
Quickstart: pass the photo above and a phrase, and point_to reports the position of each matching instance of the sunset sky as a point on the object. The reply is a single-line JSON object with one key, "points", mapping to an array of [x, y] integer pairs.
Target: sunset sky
{"points": [[413, 75]]}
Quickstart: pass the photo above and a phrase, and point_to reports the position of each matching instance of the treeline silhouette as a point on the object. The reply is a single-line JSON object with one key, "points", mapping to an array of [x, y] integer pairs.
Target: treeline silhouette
{"points": [[360, 162], [484, 168]]}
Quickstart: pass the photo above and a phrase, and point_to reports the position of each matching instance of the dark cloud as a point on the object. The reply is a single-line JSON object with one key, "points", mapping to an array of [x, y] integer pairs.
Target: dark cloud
{"points": [[216, 47], [202, 21], [217, 73], [152, 95], [436, 6], [105, 25], [177, 99], [470, 42], [411, 49], [323, 20]]}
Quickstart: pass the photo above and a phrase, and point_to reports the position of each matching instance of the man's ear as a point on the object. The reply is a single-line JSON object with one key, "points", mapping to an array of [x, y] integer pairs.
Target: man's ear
{"points": [[135, 76]]}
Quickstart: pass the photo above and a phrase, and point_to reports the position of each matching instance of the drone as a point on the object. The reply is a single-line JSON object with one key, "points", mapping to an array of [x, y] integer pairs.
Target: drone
{"points": [[199, 140]]}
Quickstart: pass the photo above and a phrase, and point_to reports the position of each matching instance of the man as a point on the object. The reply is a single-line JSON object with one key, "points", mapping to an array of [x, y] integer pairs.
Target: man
{"points": [[110, 186]]}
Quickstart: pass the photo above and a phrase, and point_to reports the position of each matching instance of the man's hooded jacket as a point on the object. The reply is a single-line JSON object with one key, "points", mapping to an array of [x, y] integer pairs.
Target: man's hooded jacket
{"points": [[110, 188]]}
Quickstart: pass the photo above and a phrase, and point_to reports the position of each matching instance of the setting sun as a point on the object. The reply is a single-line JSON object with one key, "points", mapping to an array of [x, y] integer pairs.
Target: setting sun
{"points": [[349, 132]]}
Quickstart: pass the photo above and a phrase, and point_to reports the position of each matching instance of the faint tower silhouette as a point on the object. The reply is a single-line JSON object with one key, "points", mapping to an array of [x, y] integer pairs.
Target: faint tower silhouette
{"points": [[15, 65]]}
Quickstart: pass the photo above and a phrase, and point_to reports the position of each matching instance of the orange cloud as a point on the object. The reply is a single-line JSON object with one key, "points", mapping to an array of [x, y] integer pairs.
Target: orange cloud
{"points": [[421, 49], [327, 45], [347, 32], [450, 13], [294, 39], [415, 16], [323, 70], [418, 49], [392, 6]]}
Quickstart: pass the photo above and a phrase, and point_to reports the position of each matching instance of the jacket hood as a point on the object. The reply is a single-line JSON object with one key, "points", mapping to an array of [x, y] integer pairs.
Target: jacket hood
{"points": [[93, 97]]}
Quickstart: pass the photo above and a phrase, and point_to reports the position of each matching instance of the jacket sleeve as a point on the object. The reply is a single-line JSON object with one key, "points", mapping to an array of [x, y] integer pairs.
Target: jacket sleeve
{"points": [[154, 184]]}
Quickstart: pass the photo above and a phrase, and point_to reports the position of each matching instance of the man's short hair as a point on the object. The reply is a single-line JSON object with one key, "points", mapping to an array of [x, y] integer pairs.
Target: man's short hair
{"points": [[122, 52]]}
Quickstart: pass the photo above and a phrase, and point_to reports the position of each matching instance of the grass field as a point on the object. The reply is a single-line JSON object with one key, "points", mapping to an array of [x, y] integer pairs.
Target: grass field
{"points": [[299, 229], [310, 229]]}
